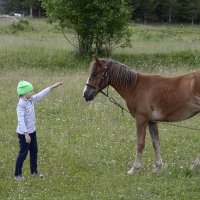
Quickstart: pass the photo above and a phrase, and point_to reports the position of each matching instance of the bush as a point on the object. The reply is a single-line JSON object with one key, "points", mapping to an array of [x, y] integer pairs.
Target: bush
{"points": [[20, 25]]}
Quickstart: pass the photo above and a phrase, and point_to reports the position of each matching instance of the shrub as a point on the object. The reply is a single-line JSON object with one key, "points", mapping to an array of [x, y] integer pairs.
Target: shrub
{"points": [[20, 25]]}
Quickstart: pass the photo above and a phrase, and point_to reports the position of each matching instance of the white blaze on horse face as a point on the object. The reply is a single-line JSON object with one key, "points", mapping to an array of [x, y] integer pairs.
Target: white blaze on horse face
{"points": [[85, 86]]}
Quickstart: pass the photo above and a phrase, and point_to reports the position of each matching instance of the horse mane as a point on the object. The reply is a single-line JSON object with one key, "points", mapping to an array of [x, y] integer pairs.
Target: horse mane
{"points": [[121, 74]]}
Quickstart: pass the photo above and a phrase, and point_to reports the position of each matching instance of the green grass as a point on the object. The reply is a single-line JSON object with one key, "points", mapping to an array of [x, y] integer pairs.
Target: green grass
{"points": [[86, 149], [163, 39]]}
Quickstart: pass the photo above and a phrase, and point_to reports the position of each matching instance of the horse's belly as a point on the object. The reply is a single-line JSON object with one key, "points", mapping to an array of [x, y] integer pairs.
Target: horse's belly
{"points": [[187, 114], [158, 115]]}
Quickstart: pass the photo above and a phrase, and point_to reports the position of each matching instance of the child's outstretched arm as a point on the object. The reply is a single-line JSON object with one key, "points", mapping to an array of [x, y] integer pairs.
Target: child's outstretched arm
{"points": [[56, 85], [38, 97]]}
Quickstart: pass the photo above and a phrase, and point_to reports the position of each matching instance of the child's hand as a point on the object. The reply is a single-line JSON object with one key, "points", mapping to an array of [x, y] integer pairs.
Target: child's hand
{"points": [[56, 85], [28, 138]]}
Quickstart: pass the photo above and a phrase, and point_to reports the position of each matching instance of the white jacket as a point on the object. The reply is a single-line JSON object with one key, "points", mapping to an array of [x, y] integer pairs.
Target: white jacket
{"points": [[26, 112]]}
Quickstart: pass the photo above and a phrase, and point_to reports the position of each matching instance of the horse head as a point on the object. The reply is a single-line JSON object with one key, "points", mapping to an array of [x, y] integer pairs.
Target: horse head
{"points": [[98, 78]]}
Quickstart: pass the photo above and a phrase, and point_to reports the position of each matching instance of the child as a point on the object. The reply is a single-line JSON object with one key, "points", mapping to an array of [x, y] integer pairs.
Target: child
{"points": [[26, 130]]}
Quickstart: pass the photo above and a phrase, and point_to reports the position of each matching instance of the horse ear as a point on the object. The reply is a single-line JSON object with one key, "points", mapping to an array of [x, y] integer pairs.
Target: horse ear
{"points": [[99, 62]]}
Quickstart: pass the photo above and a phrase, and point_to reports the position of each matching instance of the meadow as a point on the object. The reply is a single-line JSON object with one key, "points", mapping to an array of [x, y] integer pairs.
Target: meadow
{"points": [[86, 149]]}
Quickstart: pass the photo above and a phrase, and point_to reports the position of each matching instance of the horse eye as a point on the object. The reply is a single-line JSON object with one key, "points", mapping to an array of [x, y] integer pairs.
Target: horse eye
{"points": [[94, 74]]}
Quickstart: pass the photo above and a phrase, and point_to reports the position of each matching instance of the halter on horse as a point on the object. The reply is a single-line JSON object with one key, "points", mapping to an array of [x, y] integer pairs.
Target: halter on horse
{"points": [[149, 98]]}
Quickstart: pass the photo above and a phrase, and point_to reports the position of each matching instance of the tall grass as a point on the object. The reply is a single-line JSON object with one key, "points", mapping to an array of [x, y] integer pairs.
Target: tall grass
{"points": [[153, 48], [85, 149], [163, 39]]}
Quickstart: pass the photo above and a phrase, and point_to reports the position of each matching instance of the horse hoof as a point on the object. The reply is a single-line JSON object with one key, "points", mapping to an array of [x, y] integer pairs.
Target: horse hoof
{"points": [[157, 168], [133, 171], [196, 164]]}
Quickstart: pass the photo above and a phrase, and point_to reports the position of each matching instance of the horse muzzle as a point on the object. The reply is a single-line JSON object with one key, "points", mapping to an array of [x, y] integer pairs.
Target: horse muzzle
{"points": [[89, 93], [88, 97]]}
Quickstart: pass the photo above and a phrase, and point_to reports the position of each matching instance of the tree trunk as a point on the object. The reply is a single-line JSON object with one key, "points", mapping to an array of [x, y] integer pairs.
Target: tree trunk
{"points": [[39, 13], [170, 15], [31, 11], [145, 18]]}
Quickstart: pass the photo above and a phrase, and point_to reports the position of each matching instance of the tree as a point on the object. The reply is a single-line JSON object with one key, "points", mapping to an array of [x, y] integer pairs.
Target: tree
{"points": [[191, 9], [144, 8], [134, 5], [11, 6], [170, 8], [31, 5], [100, 25], [25, 7]]}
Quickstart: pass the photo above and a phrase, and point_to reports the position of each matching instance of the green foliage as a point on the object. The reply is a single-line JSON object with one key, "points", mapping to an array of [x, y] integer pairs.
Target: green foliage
{"points": [[146, 11], [170, 9], [21, 25], [191, 10], [19, 6], [99, 25]]}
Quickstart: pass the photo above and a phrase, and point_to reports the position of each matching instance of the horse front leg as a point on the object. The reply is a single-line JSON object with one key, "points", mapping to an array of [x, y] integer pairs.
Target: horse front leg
{"points": [[141, 133], [153, 129]]}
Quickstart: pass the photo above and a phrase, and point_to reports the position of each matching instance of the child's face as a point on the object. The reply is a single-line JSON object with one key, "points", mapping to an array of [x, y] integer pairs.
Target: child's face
{"points": [[28, 95]]}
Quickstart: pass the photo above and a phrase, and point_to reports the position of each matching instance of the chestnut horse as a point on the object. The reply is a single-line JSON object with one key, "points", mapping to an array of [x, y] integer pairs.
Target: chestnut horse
{"points": [[149, 98]]}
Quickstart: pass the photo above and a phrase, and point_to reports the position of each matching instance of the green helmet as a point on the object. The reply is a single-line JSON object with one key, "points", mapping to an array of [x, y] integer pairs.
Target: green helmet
{"points": [[24, 87]]}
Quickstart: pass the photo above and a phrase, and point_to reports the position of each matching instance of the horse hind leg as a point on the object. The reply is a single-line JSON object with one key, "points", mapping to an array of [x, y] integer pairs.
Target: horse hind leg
{"points": [[153, 129]]}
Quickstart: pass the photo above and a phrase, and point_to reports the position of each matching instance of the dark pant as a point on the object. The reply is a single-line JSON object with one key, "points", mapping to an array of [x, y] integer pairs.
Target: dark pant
{"points": [[24, 148]]}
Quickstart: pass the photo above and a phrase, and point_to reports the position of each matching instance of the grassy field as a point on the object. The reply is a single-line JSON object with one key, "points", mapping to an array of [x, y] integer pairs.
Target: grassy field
{"points": [[86, 149]]}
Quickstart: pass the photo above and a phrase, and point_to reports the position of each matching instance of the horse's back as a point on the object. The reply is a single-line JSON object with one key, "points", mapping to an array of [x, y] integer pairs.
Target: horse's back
{"points": [[169, 98]]}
